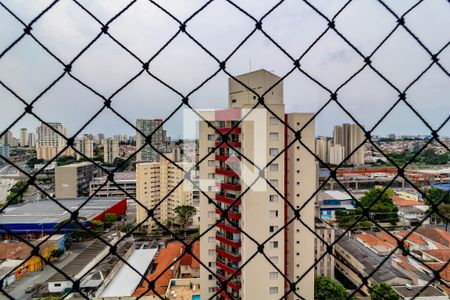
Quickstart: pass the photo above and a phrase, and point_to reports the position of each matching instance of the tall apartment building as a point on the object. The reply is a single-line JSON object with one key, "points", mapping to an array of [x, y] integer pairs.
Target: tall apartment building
{"points": [[110, 150], [154, 181], [4, 151], [323, 145], [86, 146], [7, 139], [31, 139], [49, 143], [337, 154], [159, 139], [350, 136], [23, 137], [260, 212], [73, 180]]}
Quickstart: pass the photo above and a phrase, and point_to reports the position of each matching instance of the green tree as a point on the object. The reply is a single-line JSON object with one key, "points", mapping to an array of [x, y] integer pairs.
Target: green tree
{"points": [[33, 161], [383, 291], [16, 193], [98, 225], [435, 195], [326, 288], [185, 214], [110, 218]]}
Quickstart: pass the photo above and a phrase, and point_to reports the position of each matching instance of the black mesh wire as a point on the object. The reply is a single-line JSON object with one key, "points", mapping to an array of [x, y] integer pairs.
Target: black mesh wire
{"points": [[330, 25]]}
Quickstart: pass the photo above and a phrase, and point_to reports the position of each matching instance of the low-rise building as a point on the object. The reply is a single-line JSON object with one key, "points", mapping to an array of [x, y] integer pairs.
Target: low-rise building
{"points": [[325, 267], [124, 186], [430, 292], [73, 180], [331, 201]]}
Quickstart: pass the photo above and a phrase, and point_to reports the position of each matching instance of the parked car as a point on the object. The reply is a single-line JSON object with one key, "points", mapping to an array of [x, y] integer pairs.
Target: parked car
{"points": [[32, 288]]}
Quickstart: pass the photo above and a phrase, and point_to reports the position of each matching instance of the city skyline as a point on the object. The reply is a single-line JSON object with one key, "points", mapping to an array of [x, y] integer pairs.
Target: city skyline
{"points": [[367, 97]]}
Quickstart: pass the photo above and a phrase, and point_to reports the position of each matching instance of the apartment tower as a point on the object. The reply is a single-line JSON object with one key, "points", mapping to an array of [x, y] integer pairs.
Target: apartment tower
{"points": [[23, 137], [157, 182], [110, 150], [86, 146], [261, 211], [50, 140], [158, 140], [350, 136]]}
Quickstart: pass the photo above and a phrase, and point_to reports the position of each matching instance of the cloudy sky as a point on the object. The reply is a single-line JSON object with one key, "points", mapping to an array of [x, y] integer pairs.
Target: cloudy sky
{"points": [[66, 29]]}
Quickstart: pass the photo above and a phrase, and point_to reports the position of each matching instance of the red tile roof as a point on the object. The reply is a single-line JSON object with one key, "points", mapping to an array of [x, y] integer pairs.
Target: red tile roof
{"points": [[435, 234], [399, 201], [443, 255], [373, 241], [412, 238]]}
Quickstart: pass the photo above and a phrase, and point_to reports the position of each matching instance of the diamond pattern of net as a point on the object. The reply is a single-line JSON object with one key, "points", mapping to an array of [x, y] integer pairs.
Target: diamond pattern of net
{"points": [[330, 25]]}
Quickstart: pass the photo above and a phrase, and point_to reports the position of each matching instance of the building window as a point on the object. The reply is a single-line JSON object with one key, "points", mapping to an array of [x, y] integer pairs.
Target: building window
{"points": [[274, 259], [211, 163], [211, 214], [273, 229], [211, 290], [211, 239], [273, 290], [211, 137], [210, 277], [211, 175], [210, 150], [211, 251], [273, 167], [273, 136], [273, 244], [273, 151], [274, 182], [273, 275], [273, 198], [274, 121], [233, 101], [273, 213]]}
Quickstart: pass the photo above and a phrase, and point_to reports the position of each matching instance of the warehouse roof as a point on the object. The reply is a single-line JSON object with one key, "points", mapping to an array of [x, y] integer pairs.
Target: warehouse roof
{"points": [[49, 211]]}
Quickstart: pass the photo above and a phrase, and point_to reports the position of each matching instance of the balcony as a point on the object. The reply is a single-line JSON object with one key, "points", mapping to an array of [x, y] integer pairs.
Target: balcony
{"points": [[229, 186], [227, 268], [227, 200], [230, 256], [230, 158], [226, 172], [226, 297], [233, 214], [227, 130], [228, 227], [230, 144], [235, 284], [225, 240]]}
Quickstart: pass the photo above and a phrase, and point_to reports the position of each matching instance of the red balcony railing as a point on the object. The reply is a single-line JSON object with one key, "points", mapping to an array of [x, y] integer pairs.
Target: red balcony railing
{"points": [[227, 130], [232, 215], [228, 228], [227, 200], [232, 257], [230, 186], [226, 268], [235, 285], [230, 144], [230, 158], [226, 172], [228, 242]]}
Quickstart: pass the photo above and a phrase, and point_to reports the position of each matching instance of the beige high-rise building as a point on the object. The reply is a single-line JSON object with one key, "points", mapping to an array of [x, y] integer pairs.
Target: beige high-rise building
{"points": [[323, 145], [7, 139], [350, 136], [261, 212], [23, 137], [337, 154], [156, 188], [49, 142], [110, 150], [86, 146]]}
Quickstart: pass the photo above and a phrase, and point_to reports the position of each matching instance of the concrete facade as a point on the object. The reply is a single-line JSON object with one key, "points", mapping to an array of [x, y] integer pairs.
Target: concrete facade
{"points": [[73, 180]]}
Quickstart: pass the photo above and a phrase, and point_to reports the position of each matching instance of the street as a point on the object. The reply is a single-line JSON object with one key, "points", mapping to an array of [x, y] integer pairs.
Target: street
{"points": [[17, 289]]}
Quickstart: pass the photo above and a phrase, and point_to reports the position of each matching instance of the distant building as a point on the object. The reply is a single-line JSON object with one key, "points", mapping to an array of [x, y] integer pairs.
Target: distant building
{"points": [[4, 151], [125, 180], [331, 201], [23, 137], [159, 139], [323, 145], [325, 267], [337, 154], [350, 136], [156, 181], [50, 140], [7, 139], [31, 139], [110, 150], [86, 146], [420, 292], [73, 180]]}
